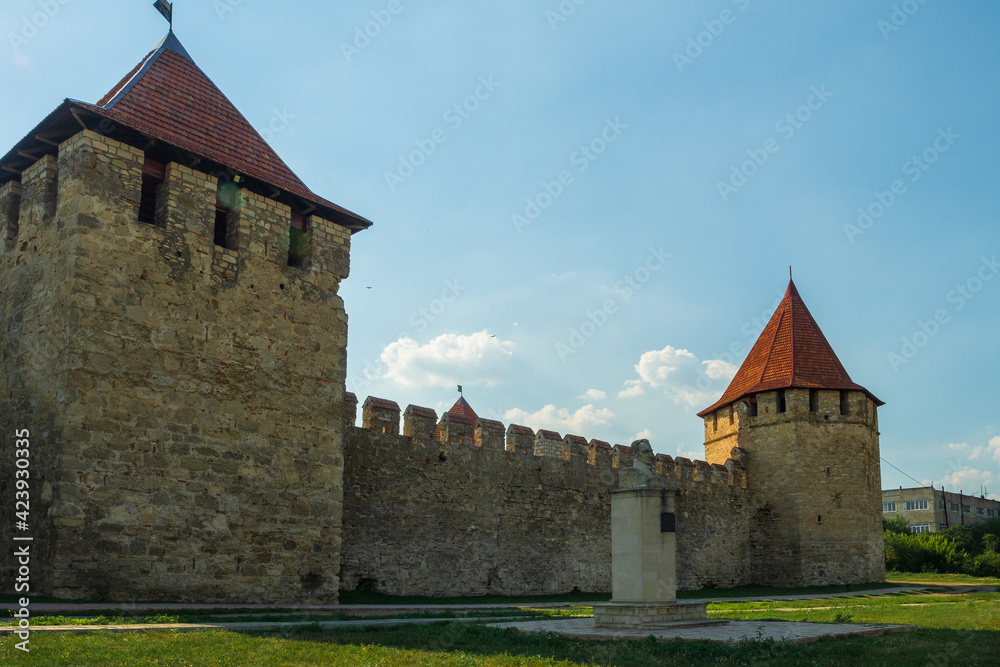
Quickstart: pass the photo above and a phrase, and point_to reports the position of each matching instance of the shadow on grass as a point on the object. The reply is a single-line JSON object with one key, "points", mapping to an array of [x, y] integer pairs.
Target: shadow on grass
{"points": [[375, 598], [920, 647]]}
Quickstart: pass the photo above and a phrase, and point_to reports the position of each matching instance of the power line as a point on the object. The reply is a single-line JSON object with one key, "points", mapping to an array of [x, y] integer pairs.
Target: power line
{"points": [[898, 470]]}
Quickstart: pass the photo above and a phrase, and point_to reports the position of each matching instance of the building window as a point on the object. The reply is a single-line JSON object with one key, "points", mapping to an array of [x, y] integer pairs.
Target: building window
{"points": [[942, 526], [980, 511], [781, 400], [225, 230], [298, 241], [919, 527], [888, 507], [715, 417], [813, 400], [954, 507], [966, 509], [940, 504], [221, 220], [991, 512], [731, 414], [912, 505], [843, 403], [153, 175], [753, 406]]}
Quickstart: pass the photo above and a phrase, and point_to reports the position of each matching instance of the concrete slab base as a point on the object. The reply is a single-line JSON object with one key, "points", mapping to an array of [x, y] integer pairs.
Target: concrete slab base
{"points": [[794, 631]]}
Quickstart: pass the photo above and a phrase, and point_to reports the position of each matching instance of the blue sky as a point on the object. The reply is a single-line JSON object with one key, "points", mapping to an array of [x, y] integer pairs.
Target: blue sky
{"points": [[584, 213]]}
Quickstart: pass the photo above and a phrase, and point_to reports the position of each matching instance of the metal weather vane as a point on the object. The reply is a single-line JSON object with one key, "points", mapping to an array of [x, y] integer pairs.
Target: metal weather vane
{"points": [[167, 10]]}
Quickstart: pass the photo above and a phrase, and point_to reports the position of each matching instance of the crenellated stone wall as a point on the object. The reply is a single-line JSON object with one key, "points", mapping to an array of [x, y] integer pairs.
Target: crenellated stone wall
{"points": [[185, 401], [472, 512]]}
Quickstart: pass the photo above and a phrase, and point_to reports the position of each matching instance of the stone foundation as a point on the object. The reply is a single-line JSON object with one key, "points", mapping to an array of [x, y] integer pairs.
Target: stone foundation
{"points": [[624, 615]]}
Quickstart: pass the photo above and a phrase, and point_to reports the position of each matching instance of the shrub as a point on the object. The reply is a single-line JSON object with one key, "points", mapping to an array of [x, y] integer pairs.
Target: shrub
{"points": [[897, 525], [963, 538], [989, 527], [984, 565], [925, 552]]}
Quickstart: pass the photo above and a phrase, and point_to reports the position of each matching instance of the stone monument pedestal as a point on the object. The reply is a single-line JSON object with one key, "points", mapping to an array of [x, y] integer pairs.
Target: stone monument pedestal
{"points": [[630, 615], [643, 564]]}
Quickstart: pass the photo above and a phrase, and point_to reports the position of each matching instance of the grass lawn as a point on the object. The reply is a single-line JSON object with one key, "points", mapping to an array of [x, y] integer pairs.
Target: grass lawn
{"points": [[903, 578], [954, 629], [374, 598], [367, 597], [111, 617], [474, 645], [979, 612]]}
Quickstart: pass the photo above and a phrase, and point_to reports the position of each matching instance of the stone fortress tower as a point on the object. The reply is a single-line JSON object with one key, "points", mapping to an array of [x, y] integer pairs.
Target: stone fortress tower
{"points": [[173, 339], [810, 437]]}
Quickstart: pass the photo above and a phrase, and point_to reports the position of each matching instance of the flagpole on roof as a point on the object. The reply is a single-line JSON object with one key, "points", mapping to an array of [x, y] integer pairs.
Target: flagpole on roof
{"points": [[166, 9]]}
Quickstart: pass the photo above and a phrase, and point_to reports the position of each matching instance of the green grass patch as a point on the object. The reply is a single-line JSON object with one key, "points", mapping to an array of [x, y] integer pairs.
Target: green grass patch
{"points": [[903, 578], [978, 612], [474, 645], [770, 591], [375, 598], [250, 616]]}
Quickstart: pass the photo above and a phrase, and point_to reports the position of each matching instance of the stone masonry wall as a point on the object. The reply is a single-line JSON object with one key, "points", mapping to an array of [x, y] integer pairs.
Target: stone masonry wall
{"points": [[476, 513], [814, 492], [185, 400]]}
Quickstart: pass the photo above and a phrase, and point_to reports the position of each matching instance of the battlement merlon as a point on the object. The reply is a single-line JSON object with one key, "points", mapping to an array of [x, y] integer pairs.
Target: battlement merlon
{"points": [[520, 439], [422, 426], [97, 182], [489, 434], [725, 427], [456, 430], [419, 423], [10, 211]]}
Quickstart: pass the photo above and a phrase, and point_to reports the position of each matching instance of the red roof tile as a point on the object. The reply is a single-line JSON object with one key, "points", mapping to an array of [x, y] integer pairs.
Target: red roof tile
{"points": [[418, 411], [167, 97], [381, 404], [463, 409], [489, 424], [790, 352]]}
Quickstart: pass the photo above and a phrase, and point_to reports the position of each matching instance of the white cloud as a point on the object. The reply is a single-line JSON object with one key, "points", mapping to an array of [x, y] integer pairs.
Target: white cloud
{"points": [[968, 479], [634, 389], [694, 456], [991, 450], [594, 395], [681, 376], [447, 360], [560, 419], [644, 434]]}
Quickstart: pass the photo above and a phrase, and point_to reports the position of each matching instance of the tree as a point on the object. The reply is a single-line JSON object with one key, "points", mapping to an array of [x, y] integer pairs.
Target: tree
{"points": [[896, 525]]}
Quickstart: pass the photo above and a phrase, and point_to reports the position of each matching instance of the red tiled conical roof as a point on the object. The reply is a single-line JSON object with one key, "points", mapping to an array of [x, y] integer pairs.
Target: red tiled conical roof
{"points": [[790, 352], [463, 408], [167, 97]]}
